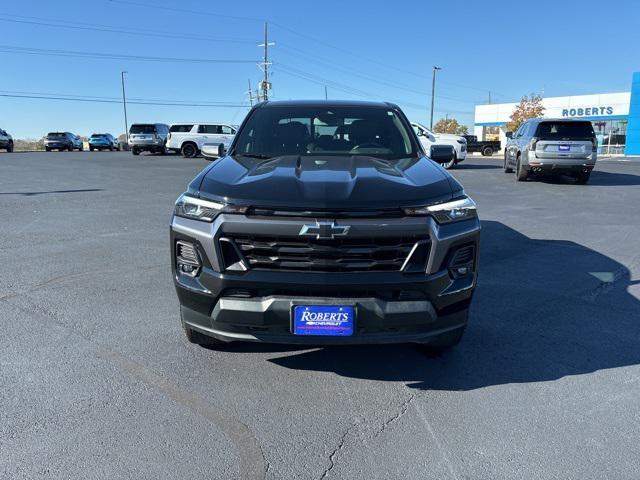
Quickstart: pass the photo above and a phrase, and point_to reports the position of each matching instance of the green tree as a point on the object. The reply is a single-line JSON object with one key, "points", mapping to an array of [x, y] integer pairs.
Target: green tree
{"points": [[450, 125], [529, 107]]}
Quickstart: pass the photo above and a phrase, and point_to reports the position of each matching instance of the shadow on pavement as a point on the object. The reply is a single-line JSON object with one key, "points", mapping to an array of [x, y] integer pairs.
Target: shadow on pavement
{"points": [[598, 178], [476, 166], [544, 309]]}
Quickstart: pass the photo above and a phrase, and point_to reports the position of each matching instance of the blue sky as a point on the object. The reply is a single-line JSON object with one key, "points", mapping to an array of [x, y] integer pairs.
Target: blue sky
{"points": [[373, 49]]}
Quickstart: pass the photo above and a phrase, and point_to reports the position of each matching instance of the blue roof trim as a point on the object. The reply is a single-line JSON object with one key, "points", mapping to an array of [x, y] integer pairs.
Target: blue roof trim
{"points": [[603, 117]]}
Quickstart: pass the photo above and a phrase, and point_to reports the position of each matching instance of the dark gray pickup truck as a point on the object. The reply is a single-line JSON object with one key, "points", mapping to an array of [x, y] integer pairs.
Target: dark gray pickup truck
{"points": [[325, 223], [486, 147]]}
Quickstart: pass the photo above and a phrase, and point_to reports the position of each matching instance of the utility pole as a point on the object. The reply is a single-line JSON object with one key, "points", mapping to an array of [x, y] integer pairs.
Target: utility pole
{"points": [[124, 105], [489, 97], [433, 93], [265, 64], [250, 94], [325, 93]]}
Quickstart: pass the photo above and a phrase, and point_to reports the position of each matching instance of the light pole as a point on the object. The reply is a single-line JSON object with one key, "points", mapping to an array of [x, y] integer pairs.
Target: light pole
{"points": [[433, 93], [124, 105]]}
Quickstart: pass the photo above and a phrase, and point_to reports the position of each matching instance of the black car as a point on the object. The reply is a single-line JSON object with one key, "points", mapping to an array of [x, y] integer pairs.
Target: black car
{"points": [[325, 223], [62, 141], [6, 141]]}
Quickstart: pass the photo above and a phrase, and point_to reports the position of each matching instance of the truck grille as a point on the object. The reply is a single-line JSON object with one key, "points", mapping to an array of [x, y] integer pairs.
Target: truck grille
{"points": [[337, 255]]}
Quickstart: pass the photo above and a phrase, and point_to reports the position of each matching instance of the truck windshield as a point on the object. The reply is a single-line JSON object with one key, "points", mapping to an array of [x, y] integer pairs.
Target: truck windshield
{"points": [[325, 130], [142, 129], [564, 130]]}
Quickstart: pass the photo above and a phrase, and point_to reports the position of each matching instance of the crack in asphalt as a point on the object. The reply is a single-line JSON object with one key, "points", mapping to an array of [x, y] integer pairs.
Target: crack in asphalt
{"points": [[69, 276], [252, 466], [404, 407], [252, 462], [337, 450], [401, 411]]}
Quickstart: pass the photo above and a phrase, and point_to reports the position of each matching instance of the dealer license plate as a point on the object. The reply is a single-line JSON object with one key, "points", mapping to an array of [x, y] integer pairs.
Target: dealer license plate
{"points": [[327, 320]]}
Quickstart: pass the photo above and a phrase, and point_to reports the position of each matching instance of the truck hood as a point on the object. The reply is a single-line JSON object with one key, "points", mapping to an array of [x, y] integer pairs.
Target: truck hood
{"points": [[327, 182]]}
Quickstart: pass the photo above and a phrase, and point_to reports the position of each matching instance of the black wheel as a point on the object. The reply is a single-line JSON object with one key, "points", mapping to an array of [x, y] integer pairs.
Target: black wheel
{"points": [[81, 149], [487, 151], [583, 178], [507, 167], [91, 149], [47, 149], [135, 151], [189, 150], [10, 147], [521, 173], [163, 151]]}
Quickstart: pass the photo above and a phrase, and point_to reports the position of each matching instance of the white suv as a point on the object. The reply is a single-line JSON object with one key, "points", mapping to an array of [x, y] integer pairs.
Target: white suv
{"points": [[188, 138], [428, 138]]}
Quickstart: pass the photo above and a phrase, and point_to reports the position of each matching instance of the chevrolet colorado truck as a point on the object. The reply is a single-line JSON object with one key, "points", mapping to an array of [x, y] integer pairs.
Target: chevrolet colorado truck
{"points": [[325, 223]]}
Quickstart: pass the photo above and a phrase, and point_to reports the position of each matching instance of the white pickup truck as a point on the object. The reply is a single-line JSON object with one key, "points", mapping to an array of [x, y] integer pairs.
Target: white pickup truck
{"points": [[428, 138], [188, 138]]}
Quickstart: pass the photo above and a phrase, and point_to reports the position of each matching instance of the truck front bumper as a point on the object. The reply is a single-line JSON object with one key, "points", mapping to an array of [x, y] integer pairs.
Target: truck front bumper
{"points": [[256, 305]]}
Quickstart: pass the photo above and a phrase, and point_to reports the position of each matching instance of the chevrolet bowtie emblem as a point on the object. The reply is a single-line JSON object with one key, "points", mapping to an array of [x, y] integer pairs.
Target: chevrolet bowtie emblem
{"points": [[324, 230]]}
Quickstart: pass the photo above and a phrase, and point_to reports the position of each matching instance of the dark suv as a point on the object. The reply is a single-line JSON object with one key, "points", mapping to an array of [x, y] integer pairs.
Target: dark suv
{"points": [[325, 223], [62, 141]]}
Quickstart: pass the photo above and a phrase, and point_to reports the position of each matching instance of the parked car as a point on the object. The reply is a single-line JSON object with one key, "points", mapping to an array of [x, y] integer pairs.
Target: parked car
{"points": [[103, 141], [543, 145], [6, 141], [148, 137], [325, 223], [63, 141], [429, 138], [485, 147], [188, 138]]}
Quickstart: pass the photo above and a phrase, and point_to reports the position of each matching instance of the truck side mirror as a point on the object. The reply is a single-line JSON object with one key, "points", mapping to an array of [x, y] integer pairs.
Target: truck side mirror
{"points": [[442, 153], [509, 134]]}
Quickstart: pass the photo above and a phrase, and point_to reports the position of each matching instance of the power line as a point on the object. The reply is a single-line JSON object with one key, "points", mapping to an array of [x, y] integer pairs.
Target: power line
{"points": [[112, 56], [371, 60], [113, 29], [303, 35], [74, 95], [353, 72], [113, 100], [288, 70], [184, 10]]}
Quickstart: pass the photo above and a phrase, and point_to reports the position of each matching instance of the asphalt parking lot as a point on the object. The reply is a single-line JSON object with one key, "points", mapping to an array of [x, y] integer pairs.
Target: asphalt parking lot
{"points": [[97, 380]]}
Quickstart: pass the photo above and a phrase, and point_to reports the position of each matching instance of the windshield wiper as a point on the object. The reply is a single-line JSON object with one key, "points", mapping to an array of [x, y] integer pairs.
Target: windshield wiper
{"points": [[254, 155]]}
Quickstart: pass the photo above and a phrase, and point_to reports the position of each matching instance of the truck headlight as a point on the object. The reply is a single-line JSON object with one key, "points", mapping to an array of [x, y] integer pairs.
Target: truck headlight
{"points": [[448, 212], [199, 209]]}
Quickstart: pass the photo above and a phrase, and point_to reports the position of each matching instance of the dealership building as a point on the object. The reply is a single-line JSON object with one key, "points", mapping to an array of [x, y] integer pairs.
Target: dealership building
{"points": [[615, 117]]}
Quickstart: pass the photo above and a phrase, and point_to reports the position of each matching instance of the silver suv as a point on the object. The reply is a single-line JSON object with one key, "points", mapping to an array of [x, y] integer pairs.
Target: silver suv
{"points": [[551, 146], [149, 137]]}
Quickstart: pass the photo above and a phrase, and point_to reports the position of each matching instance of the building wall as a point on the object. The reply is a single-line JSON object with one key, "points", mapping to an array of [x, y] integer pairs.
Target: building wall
{"points": [[633, 127], [578, 106], [598, 107]]}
